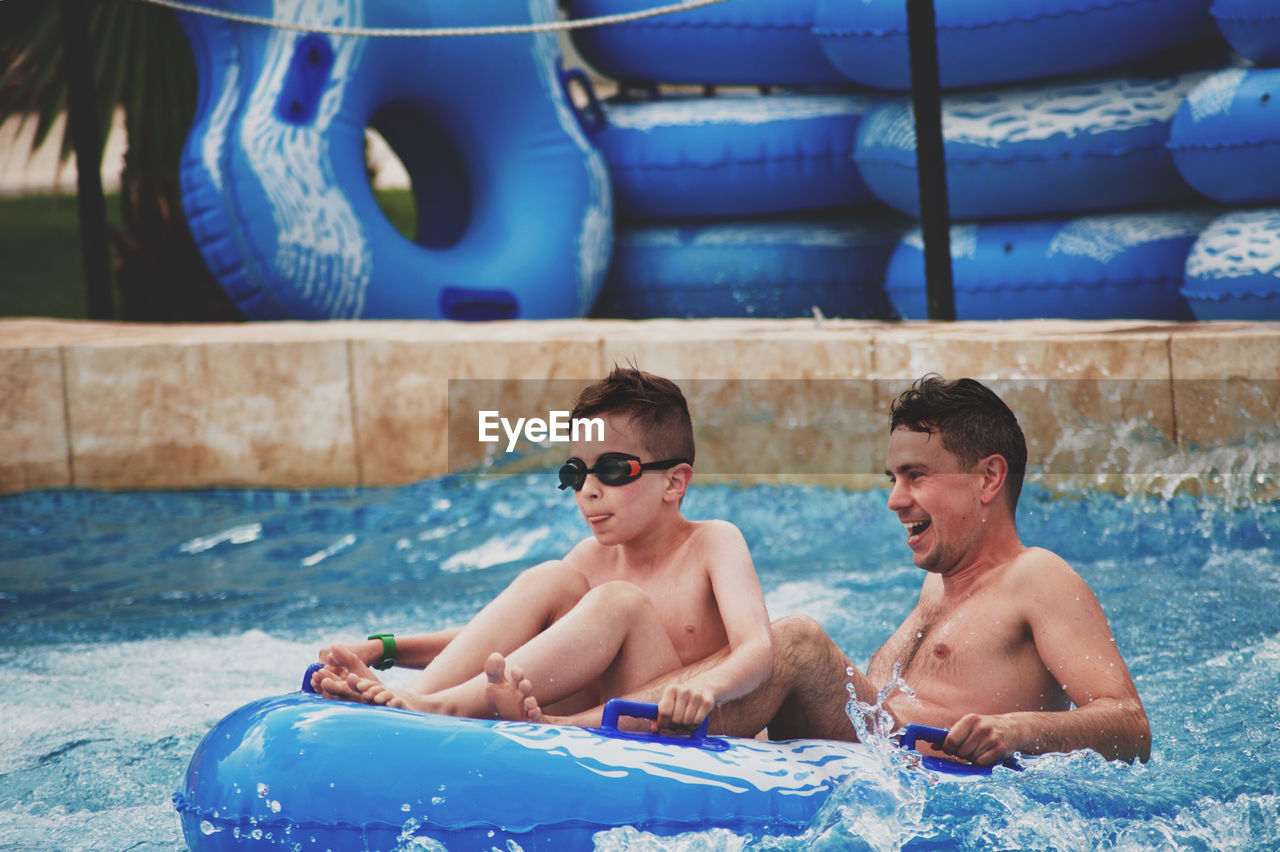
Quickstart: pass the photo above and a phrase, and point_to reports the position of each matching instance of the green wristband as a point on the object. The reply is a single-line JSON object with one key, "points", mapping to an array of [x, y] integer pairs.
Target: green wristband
{"points": [[388, 651]]}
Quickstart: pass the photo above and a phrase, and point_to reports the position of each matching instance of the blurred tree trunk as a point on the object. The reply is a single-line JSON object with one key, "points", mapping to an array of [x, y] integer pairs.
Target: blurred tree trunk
{"points": [[141, 65]]}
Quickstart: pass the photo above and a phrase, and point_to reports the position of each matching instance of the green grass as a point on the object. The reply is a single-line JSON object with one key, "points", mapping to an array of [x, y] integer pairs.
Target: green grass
{"points": [[41, 273]]}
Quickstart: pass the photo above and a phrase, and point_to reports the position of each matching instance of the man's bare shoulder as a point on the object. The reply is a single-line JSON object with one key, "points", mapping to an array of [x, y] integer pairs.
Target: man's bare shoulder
{"points": [[1040, 575]]}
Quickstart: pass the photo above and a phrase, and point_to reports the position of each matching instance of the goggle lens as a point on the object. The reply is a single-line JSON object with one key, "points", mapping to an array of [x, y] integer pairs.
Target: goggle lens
{"points": [[610, 469]]}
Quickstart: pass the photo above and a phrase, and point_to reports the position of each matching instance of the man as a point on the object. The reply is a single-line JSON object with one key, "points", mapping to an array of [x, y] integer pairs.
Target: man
{"points": [[1006, 646]]}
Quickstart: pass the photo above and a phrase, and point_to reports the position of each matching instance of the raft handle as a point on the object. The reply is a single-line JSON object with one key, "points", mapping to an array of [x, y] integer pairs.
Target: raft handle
{"points": [[929, 734], [615, 708]]}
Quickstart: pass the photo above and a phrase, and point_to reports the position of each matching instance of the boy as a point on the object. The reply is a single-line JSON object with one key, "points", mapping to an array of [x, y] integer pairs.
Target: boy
{"points": [[649, 593]]}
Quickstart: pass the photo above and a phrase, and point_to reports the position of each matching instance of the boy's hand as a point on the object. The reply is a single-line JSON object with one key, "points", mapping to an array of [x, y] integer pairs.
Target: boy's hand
{"points": [[683, 707]]}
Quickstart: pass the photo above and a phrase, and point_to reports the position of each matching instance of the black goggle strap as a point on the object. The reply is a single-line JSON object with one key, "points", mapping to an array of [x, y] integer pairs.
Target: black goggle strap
{"points": [[611, 469]]}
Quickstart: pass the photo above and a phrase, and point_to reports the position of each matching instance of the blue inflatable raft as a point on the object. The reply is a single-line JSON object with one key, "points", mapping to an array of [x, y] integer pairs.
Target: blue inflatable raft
{"points": [[1233, 269], [1071, 146], [1225, 138], [733, 155], [277, 194], [769, 268], [984, 42], [1114, 266], [302, 772]]}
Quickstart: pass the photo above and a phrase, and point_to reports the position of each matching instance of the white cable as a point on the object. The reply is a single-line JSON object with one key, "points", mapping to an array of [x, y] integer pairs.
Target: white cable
{"points": [[434, 32]]}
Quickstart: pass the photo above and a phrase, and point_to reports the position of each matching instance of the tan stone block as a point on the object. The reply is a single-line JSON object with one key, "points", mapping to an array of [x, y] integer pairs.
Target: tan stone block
{"points": [[1084, 398], [1226, 385], [418, 400], [211, 414], [770, 399], [33, 429]]}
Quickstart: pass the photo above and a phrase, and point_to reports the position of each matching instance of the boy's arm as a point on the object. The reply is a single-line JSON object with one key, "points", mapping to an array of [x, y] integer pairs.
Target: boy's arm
{"points": [[749, 661], [414, 652], [1076, 645]]}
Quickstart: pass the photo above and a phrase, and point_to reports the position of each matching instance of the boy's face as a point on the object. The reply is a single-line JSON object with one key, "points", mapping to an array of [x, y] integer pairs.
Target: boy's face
{"points": [[617, 513], [935, 498]]}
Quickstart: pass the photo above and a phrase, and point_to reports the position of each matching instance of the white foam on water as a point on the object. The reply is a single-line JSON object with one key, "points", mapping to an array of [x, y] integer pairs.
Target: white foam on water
{"points": [[495, 551]]}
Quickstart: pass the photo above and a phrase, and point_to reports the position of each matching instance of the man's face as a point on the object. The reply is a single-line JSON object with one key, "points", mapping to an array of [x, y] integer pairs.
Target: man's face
{"points": [[937, 501]]}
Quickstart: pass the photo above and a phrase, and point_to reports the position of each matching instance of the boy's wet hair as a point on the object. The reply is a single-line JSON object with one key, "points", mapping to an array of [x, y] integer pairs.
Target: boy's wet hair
{"points": [[974, 423], [656, 405]]}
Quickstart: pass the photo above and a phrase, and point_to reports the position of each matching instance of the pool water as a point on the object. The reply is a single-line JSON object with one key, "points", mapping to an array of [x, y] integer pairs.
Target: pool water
{"points": [[133, 622]]}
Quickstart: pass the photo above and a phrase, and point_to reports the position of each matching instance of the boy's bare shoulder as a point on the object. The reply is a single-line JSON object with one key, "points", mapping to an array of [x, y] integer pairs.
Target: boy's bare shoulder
{"points": [[586, 552], [717, 531]]}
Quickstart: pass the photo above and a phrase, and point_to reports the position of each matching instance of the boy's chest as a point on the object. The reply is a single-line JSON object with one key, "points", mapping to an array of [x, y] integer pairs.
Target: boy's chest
{"points": [[687, 609]]}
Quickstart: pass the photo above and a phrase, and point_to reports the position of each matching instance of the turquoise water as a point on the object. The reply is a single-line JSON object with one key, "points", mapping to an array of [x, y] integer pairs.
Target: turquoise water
{"points": [[132, 622]]}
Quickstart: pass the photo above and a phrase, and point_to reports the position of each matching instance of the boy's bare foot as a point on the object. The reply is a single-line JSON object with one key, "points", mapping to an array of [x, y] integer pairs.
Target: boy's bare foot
{"points": [[509, 692], [332, 680]]}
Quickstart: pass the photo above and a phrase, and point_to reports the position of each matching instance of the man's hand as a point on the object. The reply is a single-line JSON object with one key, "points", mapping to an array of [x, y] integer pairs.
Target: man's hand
{"points": [[984, 740], [683, 707]]}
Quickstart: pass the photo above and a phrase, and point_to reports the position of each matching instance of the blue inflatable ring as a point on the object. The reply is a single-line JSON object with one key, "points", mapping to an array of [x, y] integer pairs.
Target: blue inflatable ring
{"points": [[1252, 27], [1094, 144], [983, 42], [777, 268], [1233, 270], [1116, 266], [746, 42], [733, 155], [514, 215], [1225, 138], [299, 771]]}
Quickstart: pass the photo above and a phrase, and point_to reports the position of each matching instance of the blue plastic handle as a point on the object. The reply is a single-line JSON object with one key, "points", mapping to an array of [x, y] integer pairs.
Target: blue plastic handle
{"points": [[913, 733], [306, 678], [616, 708]]}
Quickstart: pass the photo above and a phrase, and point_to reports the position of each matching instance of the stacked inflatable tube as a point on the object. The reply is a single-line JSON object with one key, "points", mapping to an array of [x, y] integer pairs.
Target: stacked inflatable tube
{"points": [[274, 180], [776, 268], [1096, 267], [985, 42], [746, 42], [733, 155], [1233, 270], [1251, 26], [1092, 144], [301, 772], [1225, 138]]}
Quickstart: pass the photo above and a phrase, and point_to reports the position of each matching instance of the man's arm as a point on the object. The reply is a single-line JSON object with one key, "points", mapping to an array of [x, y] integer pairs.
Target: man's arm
{"points": [[1077, 647], [748, 664]]}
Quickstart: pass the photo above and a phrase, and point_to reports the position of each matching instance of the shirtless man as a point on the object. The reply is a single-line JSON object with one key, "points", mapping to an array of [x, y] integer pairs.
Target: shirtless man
{"points": [[1006, 646]]}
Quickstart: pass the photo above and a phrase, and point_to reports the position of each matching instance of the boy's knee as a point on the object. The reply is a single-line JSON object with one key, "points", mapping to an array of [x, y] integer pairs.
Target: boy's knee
{"points": [[618, 596], [555, 577]]}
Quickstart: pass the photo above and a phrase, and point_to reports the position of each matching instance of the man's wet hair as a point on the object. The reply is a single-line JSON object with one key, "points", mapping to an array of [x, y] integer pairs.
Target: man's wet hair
{"points": [[656, 405], [973, 422]]}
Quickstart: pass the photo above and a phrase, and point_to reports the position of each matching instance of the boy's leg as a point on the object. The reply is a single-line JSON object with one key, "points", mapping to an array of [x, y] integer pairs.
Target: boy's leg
{"points": [[804, 698], [534, 600], [614, 637]]}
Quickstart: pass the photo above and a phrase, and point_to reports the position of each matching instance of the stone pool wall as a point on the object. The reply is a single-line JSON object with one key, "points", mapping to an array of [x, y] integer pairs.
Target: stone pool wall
{"points": [[302, 405]]}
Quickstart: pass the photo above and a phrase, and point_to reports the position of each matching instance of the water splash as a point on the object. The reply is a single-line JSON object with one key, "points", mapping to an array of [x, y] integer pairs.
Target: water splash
{"points": [[872, 722]]}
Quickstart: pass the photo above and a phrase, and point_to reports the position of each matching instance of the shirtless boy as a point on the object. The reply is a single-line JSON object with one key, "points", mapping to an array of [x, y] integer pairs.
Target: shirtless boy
{"points": [[648, 593], [1003, 640]]}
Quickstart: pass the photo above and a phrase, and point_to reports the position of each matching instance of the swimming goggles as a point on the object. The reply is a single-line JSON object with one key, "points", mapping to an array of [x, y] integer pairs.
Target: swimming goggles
{"points": [[611, 469]]}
